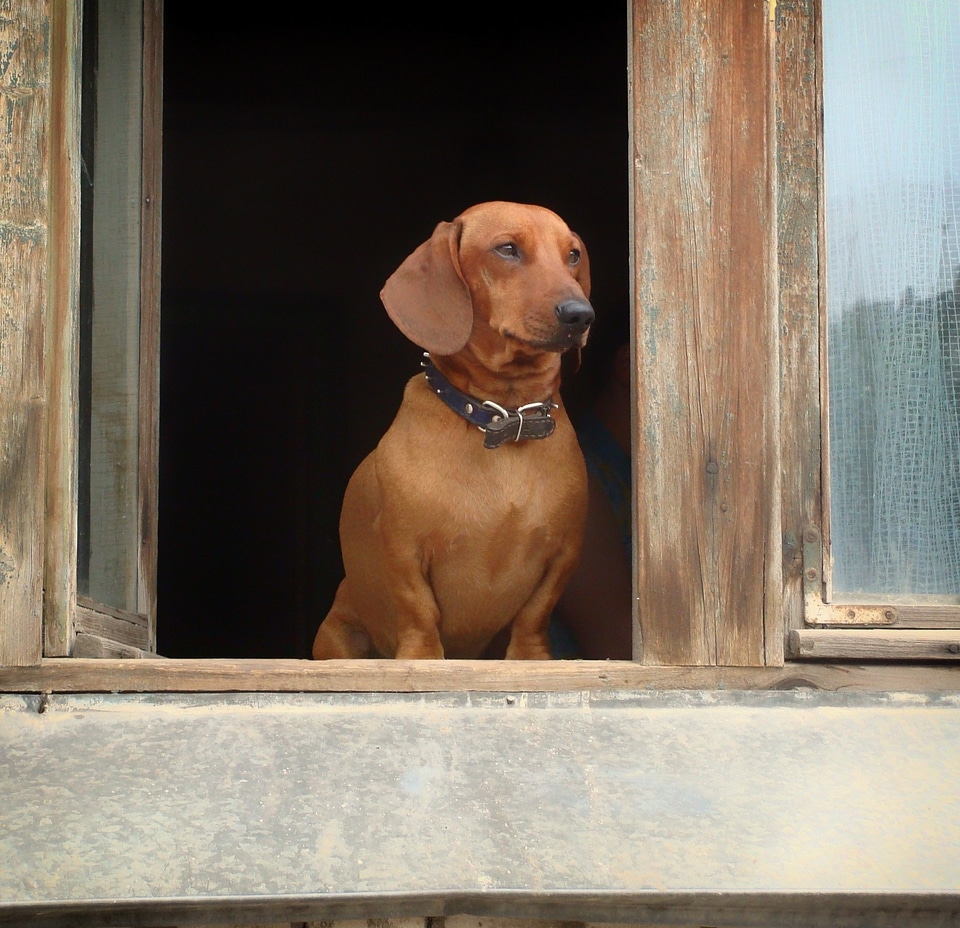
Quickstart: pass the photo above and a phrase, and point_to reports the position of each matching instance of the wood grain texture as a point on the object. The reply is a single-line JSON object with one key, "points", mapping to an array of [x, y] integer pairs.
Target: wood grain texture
{"points": [[124, 628], [804, 423], [706, 458], [24, 82], [876, 644], [88, 645], [892, 613], [149, 394], [798, 127], [70, 675], [60, 541]]}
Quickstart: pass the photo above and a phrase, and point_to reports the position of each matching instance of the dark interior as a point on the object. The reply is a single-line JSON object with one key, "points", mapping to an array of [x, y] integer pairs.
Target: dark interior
{"points": [[304, 158]]}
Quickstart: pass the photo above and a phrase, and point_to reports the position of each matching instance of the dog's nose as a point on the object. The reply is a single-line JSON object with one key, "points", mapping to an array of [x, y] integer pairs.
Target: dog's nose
{"points": [[575, 313]]}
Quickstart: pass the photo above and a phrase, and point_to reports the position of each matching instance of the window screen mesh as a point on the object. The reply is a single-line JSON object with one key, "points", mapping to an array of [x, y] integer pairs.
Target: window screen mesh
{"points": [[892, 163]]}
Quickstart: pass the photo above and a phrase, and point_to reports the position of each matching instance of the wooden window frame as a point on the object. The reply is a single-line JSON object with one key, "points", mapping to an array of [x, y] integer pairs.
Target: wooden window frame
{"points": [[75, 625], [820, 625], [728, 337]]}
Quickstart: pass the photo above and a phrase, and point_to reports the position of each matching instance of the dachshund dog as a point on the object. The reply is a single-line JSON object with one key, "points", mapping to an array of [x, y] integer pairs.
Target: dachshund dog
{"points": [[468, 517]]}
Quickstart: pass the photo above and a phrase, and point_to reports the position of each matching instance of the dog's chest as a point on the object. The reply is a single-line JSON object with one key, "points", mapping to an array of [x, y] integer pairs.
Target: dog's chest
{"points": [[483, 516], [508, 515], [520, 486]]}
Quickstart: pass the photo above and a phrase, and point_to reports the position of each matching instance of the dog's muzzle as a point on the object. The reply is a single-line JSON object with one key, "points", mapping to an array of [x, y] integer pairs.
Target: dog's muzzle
{"points": [[574, 318]]}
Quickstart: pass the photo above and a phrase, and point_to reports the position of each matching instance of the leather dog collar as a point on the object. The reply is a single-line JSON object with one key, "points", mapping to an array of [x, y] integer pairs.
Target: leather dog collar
{"points": [[498, 424]]}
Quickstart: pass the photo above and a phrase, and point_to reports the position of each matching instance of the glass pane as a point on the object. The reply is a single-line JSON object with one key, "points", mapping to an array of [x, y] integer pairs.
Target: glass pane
{"points": [[892, 159], [110, 303]]}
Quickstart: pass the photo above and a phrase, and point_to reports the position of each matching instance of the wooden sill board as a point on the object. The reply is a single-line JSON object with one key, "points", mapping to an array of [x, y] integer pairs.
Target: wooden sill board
{"points": [[685, 808], [66, 675]]}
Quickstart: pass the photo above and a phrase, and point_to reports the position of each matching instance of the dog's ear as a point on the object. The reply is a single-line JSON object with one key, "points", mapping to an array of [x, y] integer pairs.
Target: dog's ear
{"points": [[583, 276], [427, 297]]}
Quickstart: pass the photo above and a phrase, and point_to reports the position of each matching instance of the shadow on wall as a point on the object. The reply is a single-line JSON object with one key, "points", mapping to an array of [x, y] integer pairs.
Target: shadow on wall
{"points": [[300, 168]]}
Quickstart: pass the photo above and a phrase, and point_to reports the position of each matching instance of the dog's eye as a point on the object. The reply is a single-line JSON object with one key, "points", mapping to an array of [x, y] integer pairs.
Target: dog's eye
{"points": [[507, 250], [573, 259]]}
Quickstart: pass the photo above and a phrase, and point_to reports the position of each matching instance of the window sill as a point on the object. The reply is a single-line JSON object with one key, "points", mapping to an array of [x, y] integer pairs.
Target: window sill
{"points": [[683, 808], [81, 675]]}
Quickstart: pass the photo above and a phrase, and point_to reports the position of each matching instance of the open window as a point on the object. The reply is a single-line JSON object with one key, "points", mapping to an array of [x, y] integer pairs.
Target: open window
{"points": [[300, 168], [290, 194]]}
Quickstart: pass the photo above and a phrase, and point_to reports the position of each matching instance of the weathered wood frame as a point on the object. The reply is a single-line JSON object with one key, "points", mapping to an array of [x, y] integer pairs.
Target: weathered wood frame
{"points": [[724, 170], [80, 675], [39, 293], [707, 450], [28, 179], [817, 626], [74, 625]]}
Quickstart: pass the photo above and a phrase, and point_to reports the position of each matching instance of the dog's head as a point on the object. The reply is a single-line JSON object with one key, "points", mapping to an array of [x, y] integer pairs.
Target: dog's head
{"points": [[505, 269]]}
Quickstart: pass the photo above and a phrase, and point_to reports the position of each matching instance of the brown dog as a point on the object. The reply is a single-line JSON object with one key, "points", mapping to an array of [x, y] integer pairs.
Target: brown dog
{"points": [[468, 517]]}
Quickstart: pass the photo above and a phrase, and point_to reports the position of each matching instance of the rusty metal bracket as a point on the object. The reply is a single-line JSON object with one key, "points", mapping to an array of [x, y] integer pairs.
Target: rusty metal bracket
{"points": [[818, 612]]}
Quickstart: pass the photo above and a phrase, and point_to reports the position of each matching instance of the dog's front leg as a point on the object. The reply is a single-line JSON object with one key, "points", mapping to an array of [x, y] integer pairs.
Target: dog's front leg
{"points": [[416, 610], [529, 635]]}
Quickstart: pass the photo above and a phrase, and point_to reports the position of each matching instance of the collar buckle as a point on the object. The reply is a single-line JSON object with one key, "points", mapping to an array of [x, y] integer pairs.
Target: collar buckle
{"points": [[531, 421]]}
